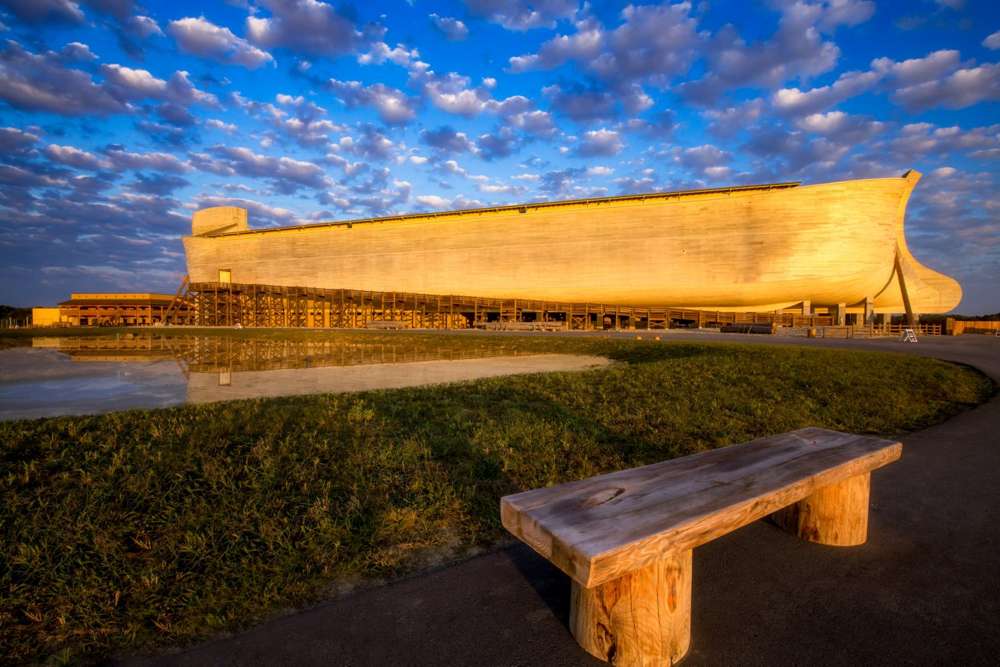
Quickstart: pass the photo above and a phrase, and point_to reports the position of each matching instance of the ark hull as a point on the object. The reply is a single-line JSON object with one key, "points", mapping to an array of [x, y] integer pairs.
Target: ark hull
{"points": [[752, 248]]}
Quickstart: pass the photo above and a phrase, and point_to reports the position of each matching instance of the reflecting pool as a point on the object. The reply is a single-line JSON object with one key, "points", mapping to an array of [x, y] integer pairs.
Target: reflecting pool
{"points": [[94, 374]]}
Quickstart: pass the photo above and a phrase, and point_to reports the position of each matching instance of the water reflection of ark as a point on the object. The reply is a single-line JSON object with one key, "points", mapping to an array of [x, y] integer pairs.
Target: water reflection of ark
{"points": [[82, 375]]}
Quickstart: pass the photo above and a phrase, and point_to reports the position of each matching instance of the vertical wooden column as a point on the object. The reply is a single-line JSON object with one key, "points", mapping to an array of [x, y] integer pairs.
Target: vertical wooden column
{"points": [[835, 515], [640, 619], [841, 314]]}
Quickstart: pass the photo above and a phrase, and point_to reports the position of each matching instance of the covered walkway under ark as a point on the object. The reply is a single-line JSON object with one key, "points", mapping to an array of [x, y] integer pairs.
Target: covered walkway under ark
{"points": [[226, 303], [253, 305]]}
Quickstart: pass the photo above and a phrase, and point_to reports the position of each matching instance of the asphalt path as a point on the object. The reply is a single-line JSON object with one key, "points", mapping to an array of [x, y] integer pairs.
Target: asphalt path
{"points": [[924, 589]]}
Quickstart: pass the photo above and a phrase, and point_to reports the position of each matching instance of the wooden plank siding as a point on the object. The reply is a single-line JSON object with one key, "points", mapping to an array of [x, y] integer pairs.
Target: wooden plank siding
{"points": [[752, 248]]}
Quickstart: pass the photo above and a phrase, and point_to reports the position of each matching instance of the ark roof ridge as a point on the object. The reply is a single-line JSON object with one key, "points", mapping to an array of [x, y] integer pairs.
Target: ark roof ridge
{"points": [[513, 207]]}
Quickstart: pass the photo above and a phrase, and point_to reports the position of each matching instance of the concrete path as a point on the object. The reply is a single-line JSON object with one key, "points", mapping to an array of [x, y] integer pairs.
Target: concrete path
{"points": [[924, 589]]}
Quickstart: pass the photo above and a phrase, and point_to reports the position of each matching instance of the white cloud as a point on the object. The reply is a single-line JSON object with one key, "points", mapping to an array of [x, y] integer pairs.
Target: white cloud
{"points": [[918, 70], [600, 142], [136, 84], [156, 161], [306, 26], [75, 157], [45, 11], [380, 53], [993, 41], [40, 82], [798, 102], [433, 201], [216, 124], [393, 105], [523, 14], [704, 156], [958, 90], [203, 38], [451, 28]]}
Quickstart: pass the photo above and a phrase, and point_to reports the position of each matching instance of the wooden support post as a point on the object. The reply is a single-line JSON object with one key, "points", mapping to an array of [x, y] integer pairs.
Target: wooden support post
{"points": [[841, 314], [835, 515], [806, 308], [869, 311], [642, 618]]}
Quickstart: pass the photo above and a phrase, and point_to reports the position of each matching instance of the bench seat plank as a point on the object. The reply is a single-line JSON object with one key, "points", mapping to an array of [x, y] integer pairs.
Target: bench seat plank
{"points": [[598, 529]]}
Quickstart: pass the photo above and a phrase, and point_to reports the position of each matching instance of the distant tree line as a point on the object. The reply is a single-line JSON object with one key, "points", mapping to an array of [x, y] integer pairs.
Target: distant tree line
{"points": [[11, 316]]}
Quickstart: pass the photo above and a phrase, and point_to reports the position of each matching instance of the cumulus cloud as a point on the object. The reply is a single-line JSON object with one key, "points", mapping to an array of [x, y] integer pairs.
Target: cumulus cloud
{"points": [[393, 106], [379, 53], [311, 27], [523, 14], [797, 49], [36, 12], [216, 124], [790, 152], [992, 42], [451, 93], [285, 173], [159, 185], [661, 125], [306, 125], [916, 141], [653, 44], [960, 89], [842, 127], [260, 214], [122, 159], [798, 102], [938, 79], [446, 139], [583, 104], [371, 145], [704, 156], [602, 142], [560, 182], [75, 157], [77, 51], [433, 201], [136, 84], [729, 121], [454, 93], [536, 123], [13, 139], [918, 70], [500, 143], [203, 38], [451, 28], [39, 82]]}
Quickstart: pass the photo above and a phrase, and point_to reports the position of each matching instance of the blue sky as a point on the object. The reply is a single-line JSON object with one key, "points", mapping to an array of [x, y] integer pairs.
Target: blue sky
{"points": [[119, 118]]}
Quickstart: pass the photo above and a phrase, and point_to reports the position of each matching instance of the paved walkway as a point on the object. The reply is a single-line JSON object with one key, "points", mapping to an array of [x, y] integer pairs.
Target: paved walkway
{"points": [[924, 589]]}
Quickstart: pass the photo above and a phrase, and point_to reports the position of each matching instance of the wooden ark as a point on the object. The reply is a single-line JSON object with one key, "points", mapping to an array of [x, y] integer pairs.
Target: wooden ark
{"points": [[757, 248]]}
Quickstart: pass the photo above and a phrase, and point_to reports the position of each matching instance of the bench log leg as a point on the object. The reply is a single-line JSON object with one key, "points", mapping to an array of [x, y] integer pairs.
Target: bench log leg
{"points": [[836, 515], [641, 619]]}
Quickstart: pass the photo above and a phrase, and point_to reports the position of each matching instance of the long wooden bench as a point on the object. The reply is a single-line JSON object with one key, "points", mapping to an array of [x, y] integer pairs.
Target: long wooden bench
{"points": [[626, 538]]}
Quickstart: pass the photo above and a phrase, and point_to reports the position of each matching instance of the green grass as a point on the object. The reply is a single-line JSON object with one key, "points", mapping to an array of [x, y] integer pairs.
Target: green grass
{"points": [[147, 528]]}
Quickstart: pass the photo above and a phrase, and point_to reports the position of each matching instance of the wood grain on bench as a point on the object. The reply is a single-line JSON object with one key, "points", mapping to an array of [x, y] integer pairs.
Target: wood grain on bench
{"points": [[599, 529]]}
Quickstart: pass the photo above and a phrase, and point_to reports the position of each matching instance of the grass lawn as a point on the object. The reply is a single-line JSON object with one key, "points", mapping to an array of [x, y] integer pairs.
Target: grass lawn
{"points": [[146, 528]]}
